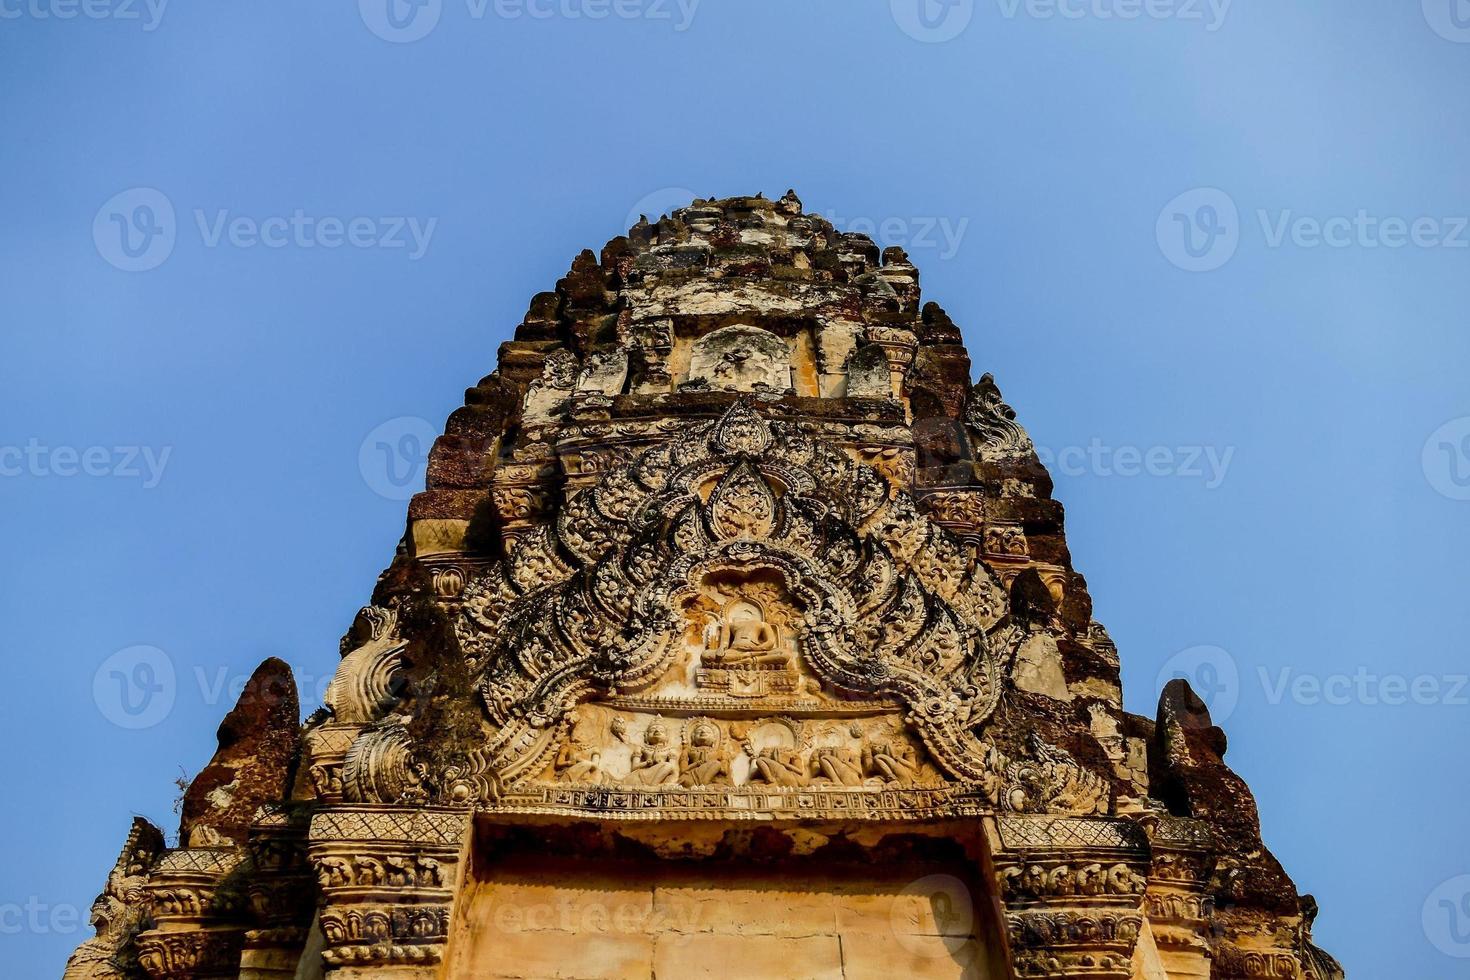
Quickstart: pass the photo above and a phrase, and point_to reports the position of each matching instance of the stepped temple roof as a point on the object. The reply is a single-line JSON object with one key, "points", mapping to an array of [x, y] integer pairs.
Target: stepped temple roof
{"points": [[734, 634]]}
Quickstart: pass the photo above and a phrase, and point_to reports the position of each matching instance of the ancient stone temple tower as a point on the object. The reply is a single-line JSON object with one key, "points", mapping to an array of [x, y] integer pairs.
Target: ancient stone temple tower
{"points": [[734, 636]]}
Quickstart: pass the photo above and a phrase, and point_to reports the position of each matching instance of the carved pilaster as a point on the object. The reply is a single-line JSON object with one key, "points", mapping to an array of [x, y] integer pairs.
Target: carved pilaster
{"points": [[1072, 889], [281, 892], [1179, 910], [387, 876], [523, 494], [197, 900], [326, 750]]}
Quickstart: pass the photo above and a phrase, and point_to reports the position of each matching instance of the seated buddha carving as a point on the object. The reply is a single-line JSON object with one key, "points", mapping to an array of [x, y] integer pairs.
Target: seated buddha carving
{"points": [[745, 641]]}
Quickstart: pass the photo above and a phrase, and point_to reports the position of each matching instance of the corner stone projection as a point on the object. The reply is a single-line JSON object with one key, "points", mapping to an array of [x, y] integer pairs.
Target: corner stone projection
{"points": [[735, 634]]}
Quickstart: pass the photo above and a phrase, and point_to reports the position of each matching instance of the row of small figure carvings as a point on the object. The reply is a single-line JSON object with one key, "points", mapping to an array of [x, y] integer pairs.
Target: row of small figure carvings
{"points": [[392, 871], [702, 761], [1036, 881]]}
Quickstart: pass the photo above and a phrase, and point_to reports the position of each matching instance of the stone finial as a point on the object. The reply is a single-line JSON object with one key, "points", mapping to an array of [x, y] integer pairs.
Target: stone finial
{"points": [[935, 326], [1191, 777], [258, 742], [994, 422]]}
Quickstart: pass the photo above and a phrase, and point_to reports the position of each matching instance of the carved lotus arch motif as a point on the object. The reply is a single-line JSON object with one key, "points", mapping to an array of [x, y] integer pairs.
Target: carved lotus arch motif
{"points": [[889, 605]]}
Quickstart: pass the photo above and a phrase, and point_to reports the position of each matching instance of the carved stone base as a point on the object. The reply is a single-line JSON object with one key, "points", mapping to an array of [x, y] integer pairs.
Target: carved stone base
{"points": [[1072, 889], [197, 903], [388, 876], [1179, 911]]}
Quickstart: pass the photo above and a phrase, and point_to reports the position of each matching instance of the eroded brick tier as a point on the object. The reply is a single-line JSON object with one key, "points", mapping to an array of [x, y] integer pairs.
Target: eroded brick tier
{"points": [[735, 634]]}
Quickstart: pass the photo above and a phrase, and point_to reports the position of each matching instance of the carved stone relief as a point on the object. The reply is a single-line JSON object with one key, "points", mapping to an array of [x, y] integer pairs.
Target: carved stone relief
{"points": [[609, 746], [750, 565], [868, 374], [740, 358]]}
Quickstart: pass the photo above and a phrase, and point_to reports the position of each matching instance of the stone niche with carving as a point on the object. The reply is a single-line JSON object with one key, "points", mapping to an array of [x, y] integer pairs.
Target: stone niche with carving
{"points": [[735, 634], [740, 357]]}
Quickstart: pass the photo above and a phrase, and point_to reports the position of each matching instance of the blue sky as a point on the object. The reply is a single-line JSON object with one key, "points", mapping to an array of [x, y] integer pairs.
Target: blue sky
{"points": [[1215, 255]]}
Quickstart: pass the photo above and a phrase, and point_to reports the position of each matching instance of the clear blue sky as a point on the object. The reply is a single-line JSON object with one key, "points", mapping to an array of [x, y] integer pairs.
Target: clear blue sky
{"points": [[1032, 164]]}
